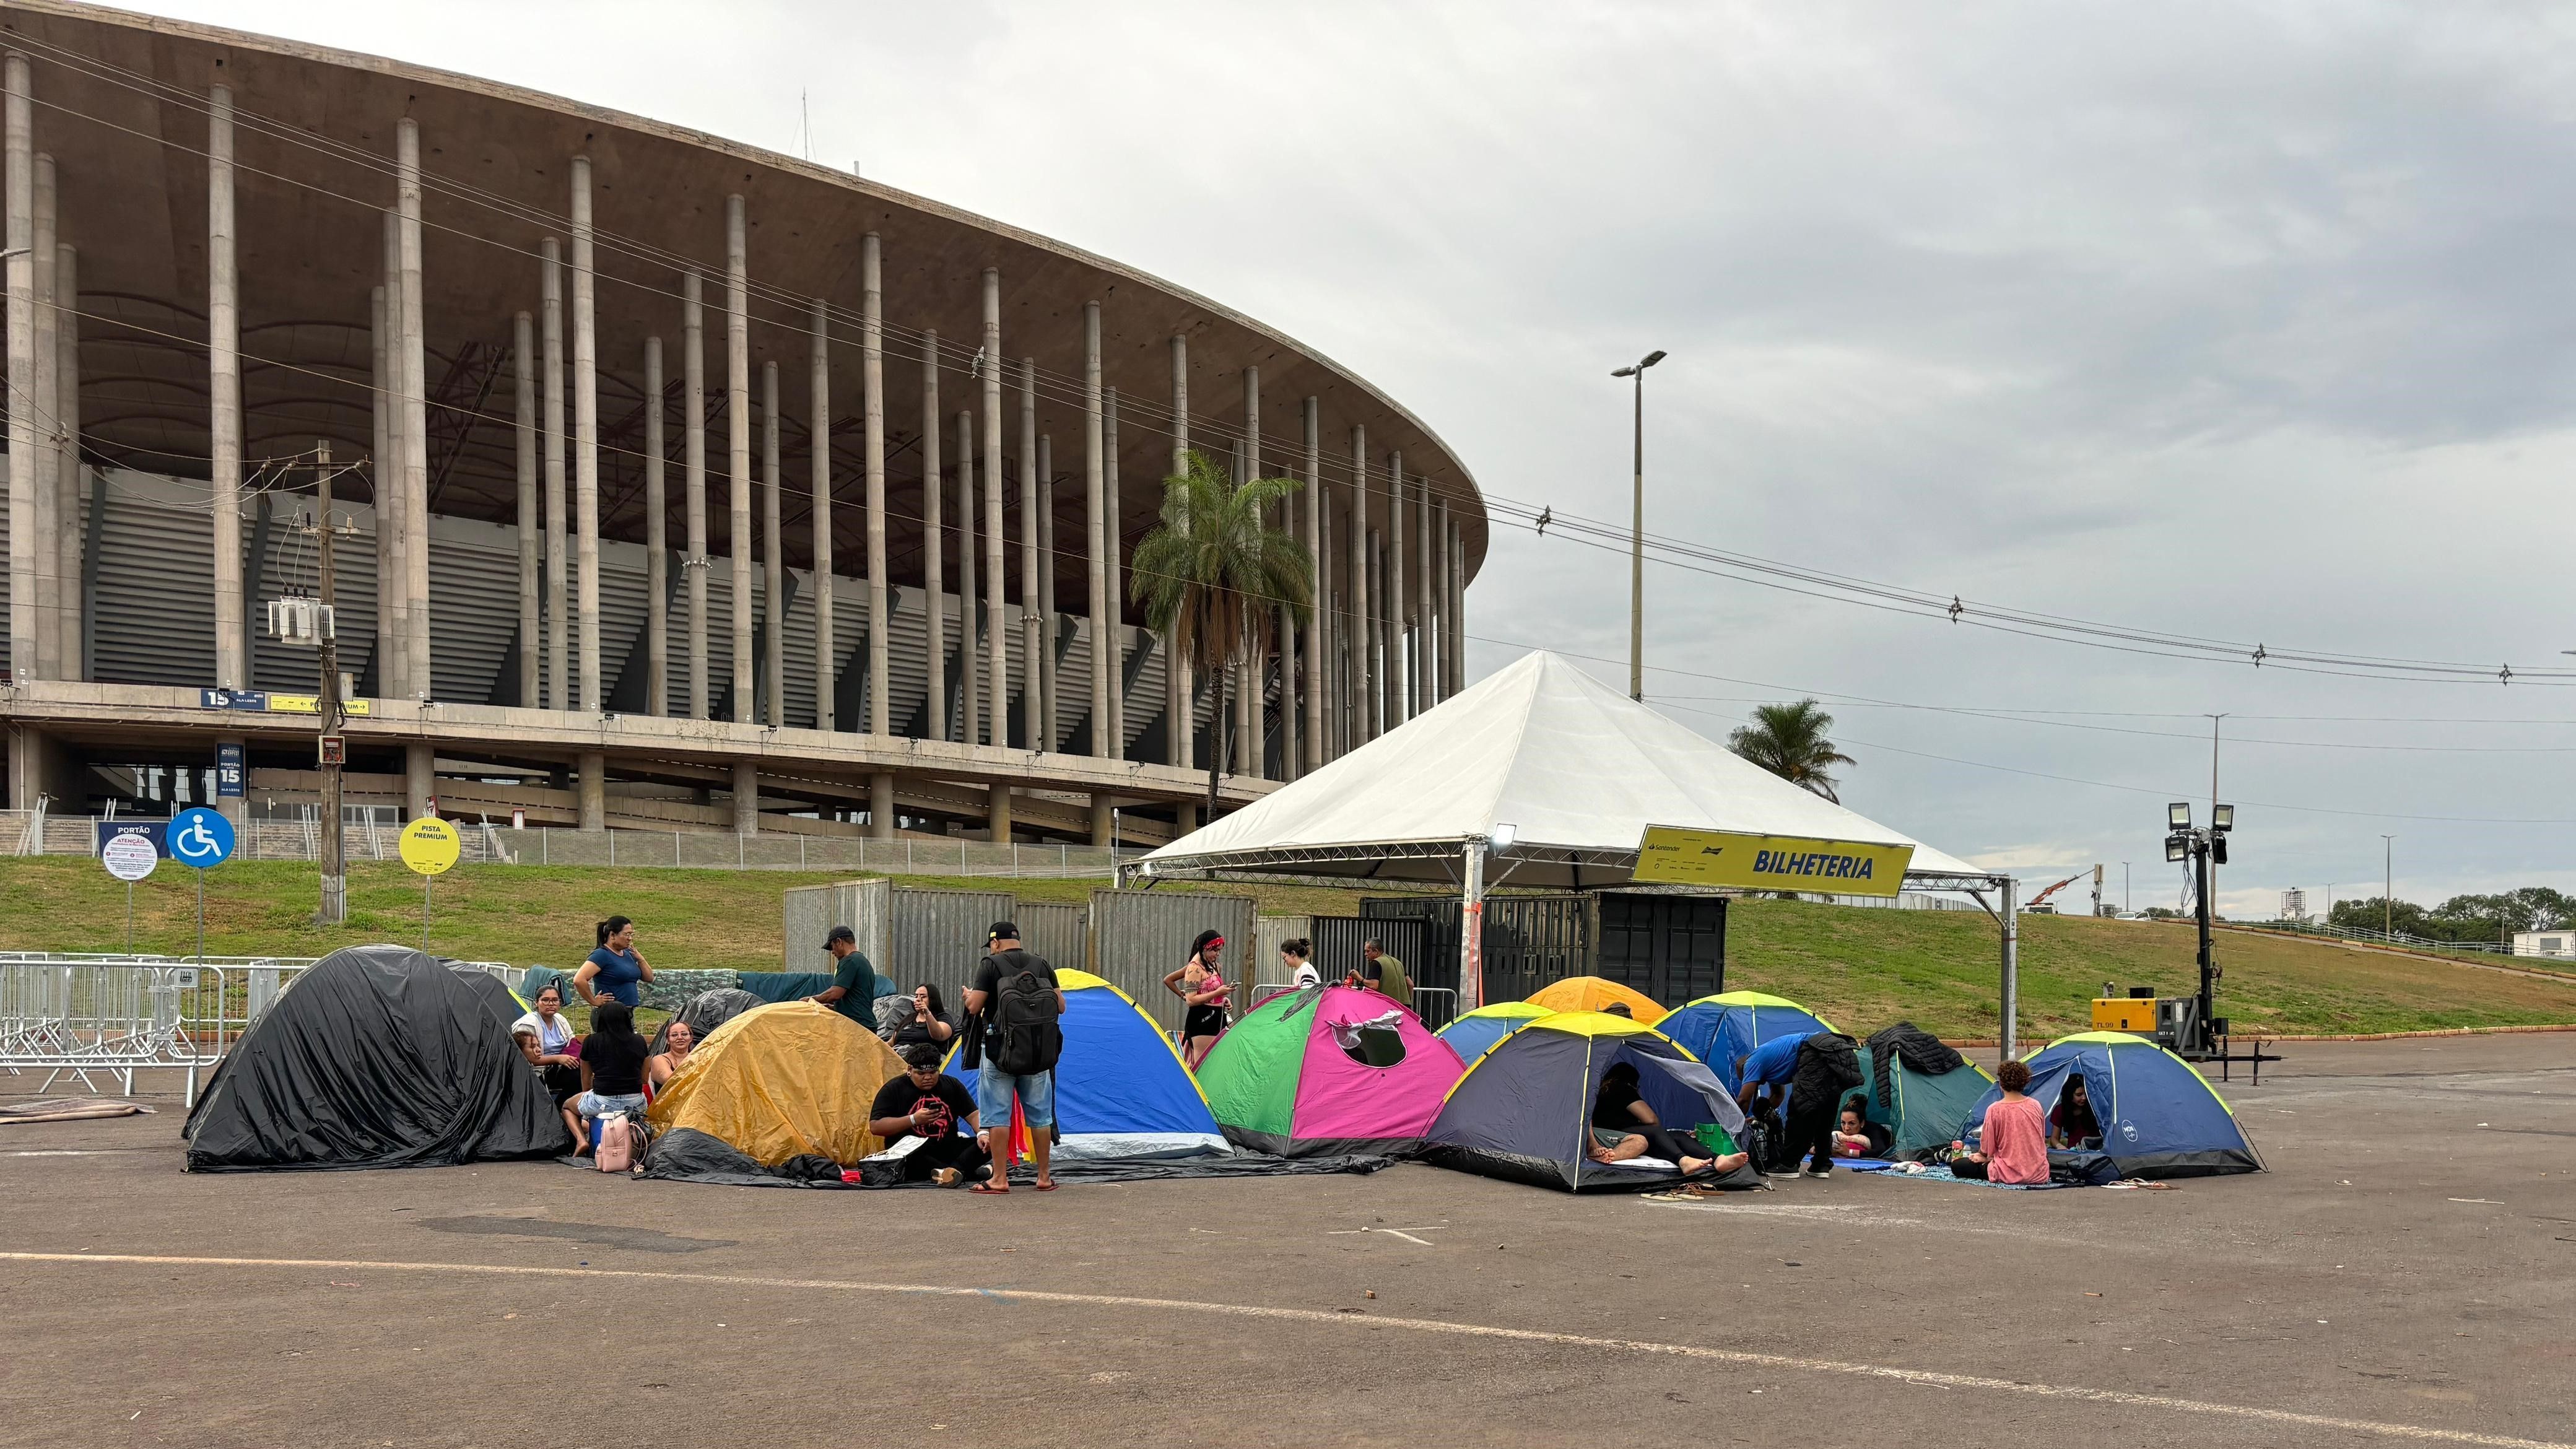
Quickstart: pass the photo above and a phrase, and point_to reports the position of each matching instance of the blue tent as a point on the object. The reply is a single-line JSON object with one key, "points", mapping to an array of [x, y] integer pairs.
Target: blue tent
{"points": [[1721, 1030], [2159, 1118], [1474, 1034], [1120, 1089]]}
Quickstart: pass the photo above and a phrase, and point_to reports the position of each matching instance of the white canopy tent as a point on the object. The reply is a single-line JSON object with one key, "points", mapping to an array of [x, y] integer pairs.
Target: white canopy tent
{"points": [[1538, 776]]}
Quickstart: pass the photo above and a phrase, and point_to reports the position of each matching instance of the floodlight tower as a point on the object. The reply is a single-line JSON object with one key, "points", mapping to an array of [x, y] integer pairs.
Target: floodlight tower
{"points": [[2204, 849]]}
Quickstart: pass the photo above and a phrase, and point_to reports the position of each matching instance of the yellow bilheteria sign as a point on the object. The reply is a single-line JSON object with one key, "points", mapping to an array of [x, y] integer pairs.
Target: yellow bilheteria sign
{"points": [[430, 845], [1669, 855]]}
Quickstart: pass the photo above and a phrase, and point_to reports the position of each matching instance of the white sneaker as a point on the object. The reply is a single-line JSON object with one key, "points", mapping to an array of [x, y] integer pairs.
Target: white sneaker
{"points": [[1812, 1172]]}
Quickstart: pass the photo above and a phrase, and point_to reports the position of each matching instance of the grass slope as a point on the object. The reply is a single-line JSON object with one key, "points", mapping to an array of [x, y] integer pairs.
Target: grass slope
{"points": [[1865, 968], [1861, 968]]}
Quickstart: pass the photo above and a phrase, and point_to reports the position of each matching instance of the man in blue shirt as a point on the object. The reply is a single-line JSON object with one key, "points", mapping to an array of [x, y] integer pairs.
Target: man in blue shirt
{"points": [[1763, 1082]]}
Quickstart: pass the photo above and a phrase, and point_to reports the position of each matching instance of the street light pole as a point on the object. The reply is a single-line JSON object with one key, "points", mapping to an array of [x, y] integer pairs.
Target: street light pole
{"points": [[326, 711], [1637, 535], [2388, 887]]}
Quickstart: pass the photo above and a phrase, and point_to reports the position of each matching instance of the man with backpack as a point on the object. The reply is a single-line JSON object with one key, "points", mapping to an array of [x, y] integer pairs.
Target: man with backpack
{"points": [[1015, 1007]]}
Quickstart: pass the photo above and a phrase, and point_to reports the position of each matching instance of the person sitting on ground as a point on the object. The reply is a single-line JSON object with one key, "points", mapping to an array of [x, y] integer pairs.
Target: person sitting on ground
{"points": [[558, 1049], [616, 971], [612, 1072], [925, 1024], [1857, 1136], [1385, 975], [925, 1103], [2013, 1143], [1624, 1126], [1297, 958], [2073, 1123], [678, 1040]]}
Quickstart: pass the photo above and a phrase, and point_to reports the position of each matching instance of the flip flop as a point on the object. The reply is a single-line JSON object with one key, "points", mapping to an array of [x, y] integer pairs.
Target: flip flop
{"points": [[988, 1190], [1049, 1186]]}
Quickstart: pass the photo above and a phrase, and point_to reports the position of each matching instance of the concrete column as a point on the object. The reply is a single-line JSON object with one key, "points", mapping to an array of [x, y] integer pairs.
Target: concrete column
{"points": [[1032, 675], [997, 809], [738, 456], [67, 511], [970, 545], [1333, 685], [818, 477], [1381, 653], [693, 482], [880, 593], [1456, 657], [381, 472], [420, 780], [1180, 724], [415, 353], [746, 787], [585, 432], [1317, 610], [657, 541], [1044, 670], [934, 548], [591, 782], [1103, 821], [1096, 551], [1251, 678], [881, 808], [773, 558], [558, 548], [1363, 714], [393, 515], [223, 377], [1399, 662], [39, 391], [1425, 638], [21, 264], [997, 654], [1116, 747], [531, 517]]}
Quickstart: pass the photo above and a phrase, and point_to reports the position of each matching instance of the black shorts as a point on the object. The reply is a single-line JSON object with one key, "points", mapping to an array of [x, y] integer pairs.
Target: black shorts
{"points": [[1206, 1020]]}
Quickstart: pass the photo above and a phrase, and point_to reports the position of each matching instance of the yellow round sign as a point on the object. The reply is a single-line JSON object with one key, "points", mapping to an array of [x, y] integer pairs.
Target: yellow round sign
{"points": [[430, 845]]}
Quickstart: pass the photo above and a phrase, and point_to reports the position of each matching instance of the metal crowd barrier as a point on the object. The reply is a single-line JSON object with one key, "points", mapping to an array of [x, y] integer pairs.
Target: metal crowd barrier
{"points": [[92, 1015]]}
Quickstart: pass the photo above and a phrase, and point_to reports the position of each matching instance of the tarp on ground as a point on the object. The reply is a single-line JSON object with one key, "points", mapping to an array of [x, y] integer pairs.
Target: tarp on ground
{"points": [[1475, 1033], [2159, 1116], [1593, 993], [1523, 1112], [1329, 1070], [1576, 768], [688, 1156], [1120, 1088], [376, 1056], [781, 1081], [1722, 1030]]}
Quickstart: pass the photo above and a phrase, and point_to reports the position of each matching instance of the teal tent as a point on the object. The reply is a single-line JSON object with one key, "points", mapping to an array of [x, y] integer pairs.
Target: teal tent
{"points": [[1919, 1089]]}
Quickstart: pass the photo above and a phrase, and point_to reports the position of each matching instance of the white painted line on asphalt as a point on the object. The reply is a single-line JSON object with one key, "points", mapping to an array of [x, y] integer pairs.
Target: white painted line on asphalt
{"points": [[1777, 1362]]}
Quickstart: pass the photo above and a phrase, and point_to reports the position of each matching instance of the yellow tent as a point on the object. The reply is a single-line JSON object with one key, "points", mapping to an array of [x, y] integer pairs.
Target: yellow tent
{"points": [[1591, 993], [782, 1080]]}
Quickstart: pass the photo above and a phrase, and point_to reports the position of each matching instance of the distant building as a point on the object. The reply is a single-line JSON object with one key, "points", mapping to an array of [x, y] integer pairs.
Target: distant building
{"points": [[2294, 905], [2560, 943]]}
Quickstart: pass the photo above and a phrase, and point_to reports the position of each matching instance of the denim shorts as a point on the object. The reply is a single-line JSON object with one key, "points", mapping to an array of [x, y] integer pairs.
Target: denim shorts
{"points": [[994, 1090], [591, 1104]]}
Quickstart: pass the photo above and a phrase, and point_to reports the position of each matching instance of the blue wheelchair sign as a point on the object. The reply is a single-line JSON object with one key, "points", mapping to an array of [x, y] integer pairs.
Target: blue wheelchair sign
{"points": [[200, 838]]}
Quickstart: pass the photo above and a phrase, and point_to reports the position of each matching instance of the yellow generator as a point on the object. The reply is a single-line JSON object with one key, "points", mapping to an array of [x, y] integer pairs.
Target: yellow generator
{"points": [[2134, 1013]]}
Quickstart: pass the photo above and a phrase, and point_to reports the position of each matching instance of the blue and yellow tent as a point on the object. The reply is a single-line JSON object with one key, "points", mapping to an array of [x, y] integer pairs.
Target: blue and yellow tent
{"points": [[2159, 1117], [1120, 1089], [1523, 1111], [1722, 1030], [1474, 1034]]}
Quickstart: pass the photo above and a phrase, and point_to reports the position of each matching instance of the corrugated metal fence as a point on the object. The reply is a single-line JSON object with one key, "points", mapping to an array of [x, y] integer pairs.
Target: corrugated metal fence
{"points": [[1142, 935], [810, 912]]}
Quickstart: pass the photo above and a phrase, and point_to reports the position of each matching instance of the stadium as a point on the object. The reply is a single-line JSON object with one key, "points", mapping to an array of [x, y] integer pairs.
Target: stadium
{"points": [[674, 484]]}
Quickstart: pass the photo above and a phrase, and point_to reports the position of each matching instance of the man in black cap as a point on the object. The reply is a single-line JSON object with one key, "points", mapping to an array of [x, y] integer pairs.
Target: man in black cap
{"points": [[1026, 978], [853, 992]]}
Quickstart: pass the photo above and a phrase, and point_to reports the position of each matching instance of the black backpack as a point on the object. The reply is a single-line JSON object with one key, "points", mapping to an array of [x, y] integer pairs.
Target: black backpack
{"points": [[1024, 1037]]}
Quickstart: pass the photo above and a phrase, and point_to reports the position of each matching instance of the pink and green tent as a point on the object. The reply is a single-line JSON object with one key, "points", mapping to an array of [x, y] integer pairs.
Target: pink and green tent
{"points": [[1330, 1069]]}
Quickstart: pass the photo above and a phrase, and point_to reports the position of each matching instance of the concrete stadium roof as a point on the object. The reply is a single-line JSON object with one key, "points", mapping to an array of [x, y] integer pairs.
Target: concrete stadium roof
{"points": [[120, 105]]}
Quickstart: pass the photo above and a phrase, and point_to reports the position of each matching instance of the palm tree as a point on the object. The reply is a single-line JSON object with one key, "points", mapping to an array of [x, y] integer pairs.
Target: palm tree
{"points": [[1790, 741], [1212, 568]]}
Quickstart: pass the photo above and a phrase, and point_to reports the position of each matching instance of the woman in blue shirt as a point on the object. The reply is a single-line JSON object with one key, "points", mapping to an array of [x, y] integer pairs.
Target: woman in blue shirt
{"points": [[616, 971]]}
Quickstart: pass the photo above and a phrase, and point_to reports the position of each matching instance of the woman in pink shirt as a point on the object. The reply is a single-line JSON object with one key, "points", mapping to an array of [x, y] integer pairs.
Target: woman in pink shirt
{"points": [[2015, 1136]]}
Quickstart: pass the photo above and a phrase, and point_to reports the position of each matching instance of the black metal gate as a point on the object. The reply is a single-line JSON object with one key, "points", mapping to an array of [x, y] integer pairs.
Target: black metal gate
{"points": [[1338, 940], [1529, 941], [1672, 948]]}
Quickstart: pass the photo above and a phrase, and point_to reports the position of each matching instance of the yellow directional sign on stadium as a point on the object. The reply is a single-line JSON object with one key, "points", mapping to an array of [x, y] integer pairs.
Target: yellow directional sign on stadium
{"points": [[430, 845], [1670, 855]]}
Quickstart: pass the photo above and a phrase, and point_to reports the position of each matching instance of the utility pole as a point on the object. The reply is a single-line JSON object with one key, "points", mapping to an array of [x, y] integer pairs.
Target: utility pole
{"points": [[326, 713], [2388, 887], [1637, 534]]}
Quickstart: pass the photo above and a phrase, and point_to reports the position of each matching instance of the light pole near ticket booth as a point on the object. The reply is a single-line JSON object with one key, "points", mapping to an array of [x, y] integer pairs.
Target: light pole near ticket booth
{"points": [[328, 750]]}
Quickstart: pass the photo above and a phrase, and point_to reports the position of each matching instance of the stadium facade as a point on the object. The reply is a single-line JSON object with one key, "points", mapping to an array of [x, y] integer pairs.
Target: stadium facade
{"points": [[676, 484]]}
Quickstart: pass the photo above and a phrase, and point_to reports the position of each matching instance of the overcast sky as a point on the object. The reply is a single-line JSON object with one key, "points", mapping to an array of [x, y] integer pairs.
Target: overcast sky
{"points": [[2244, 321]]}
